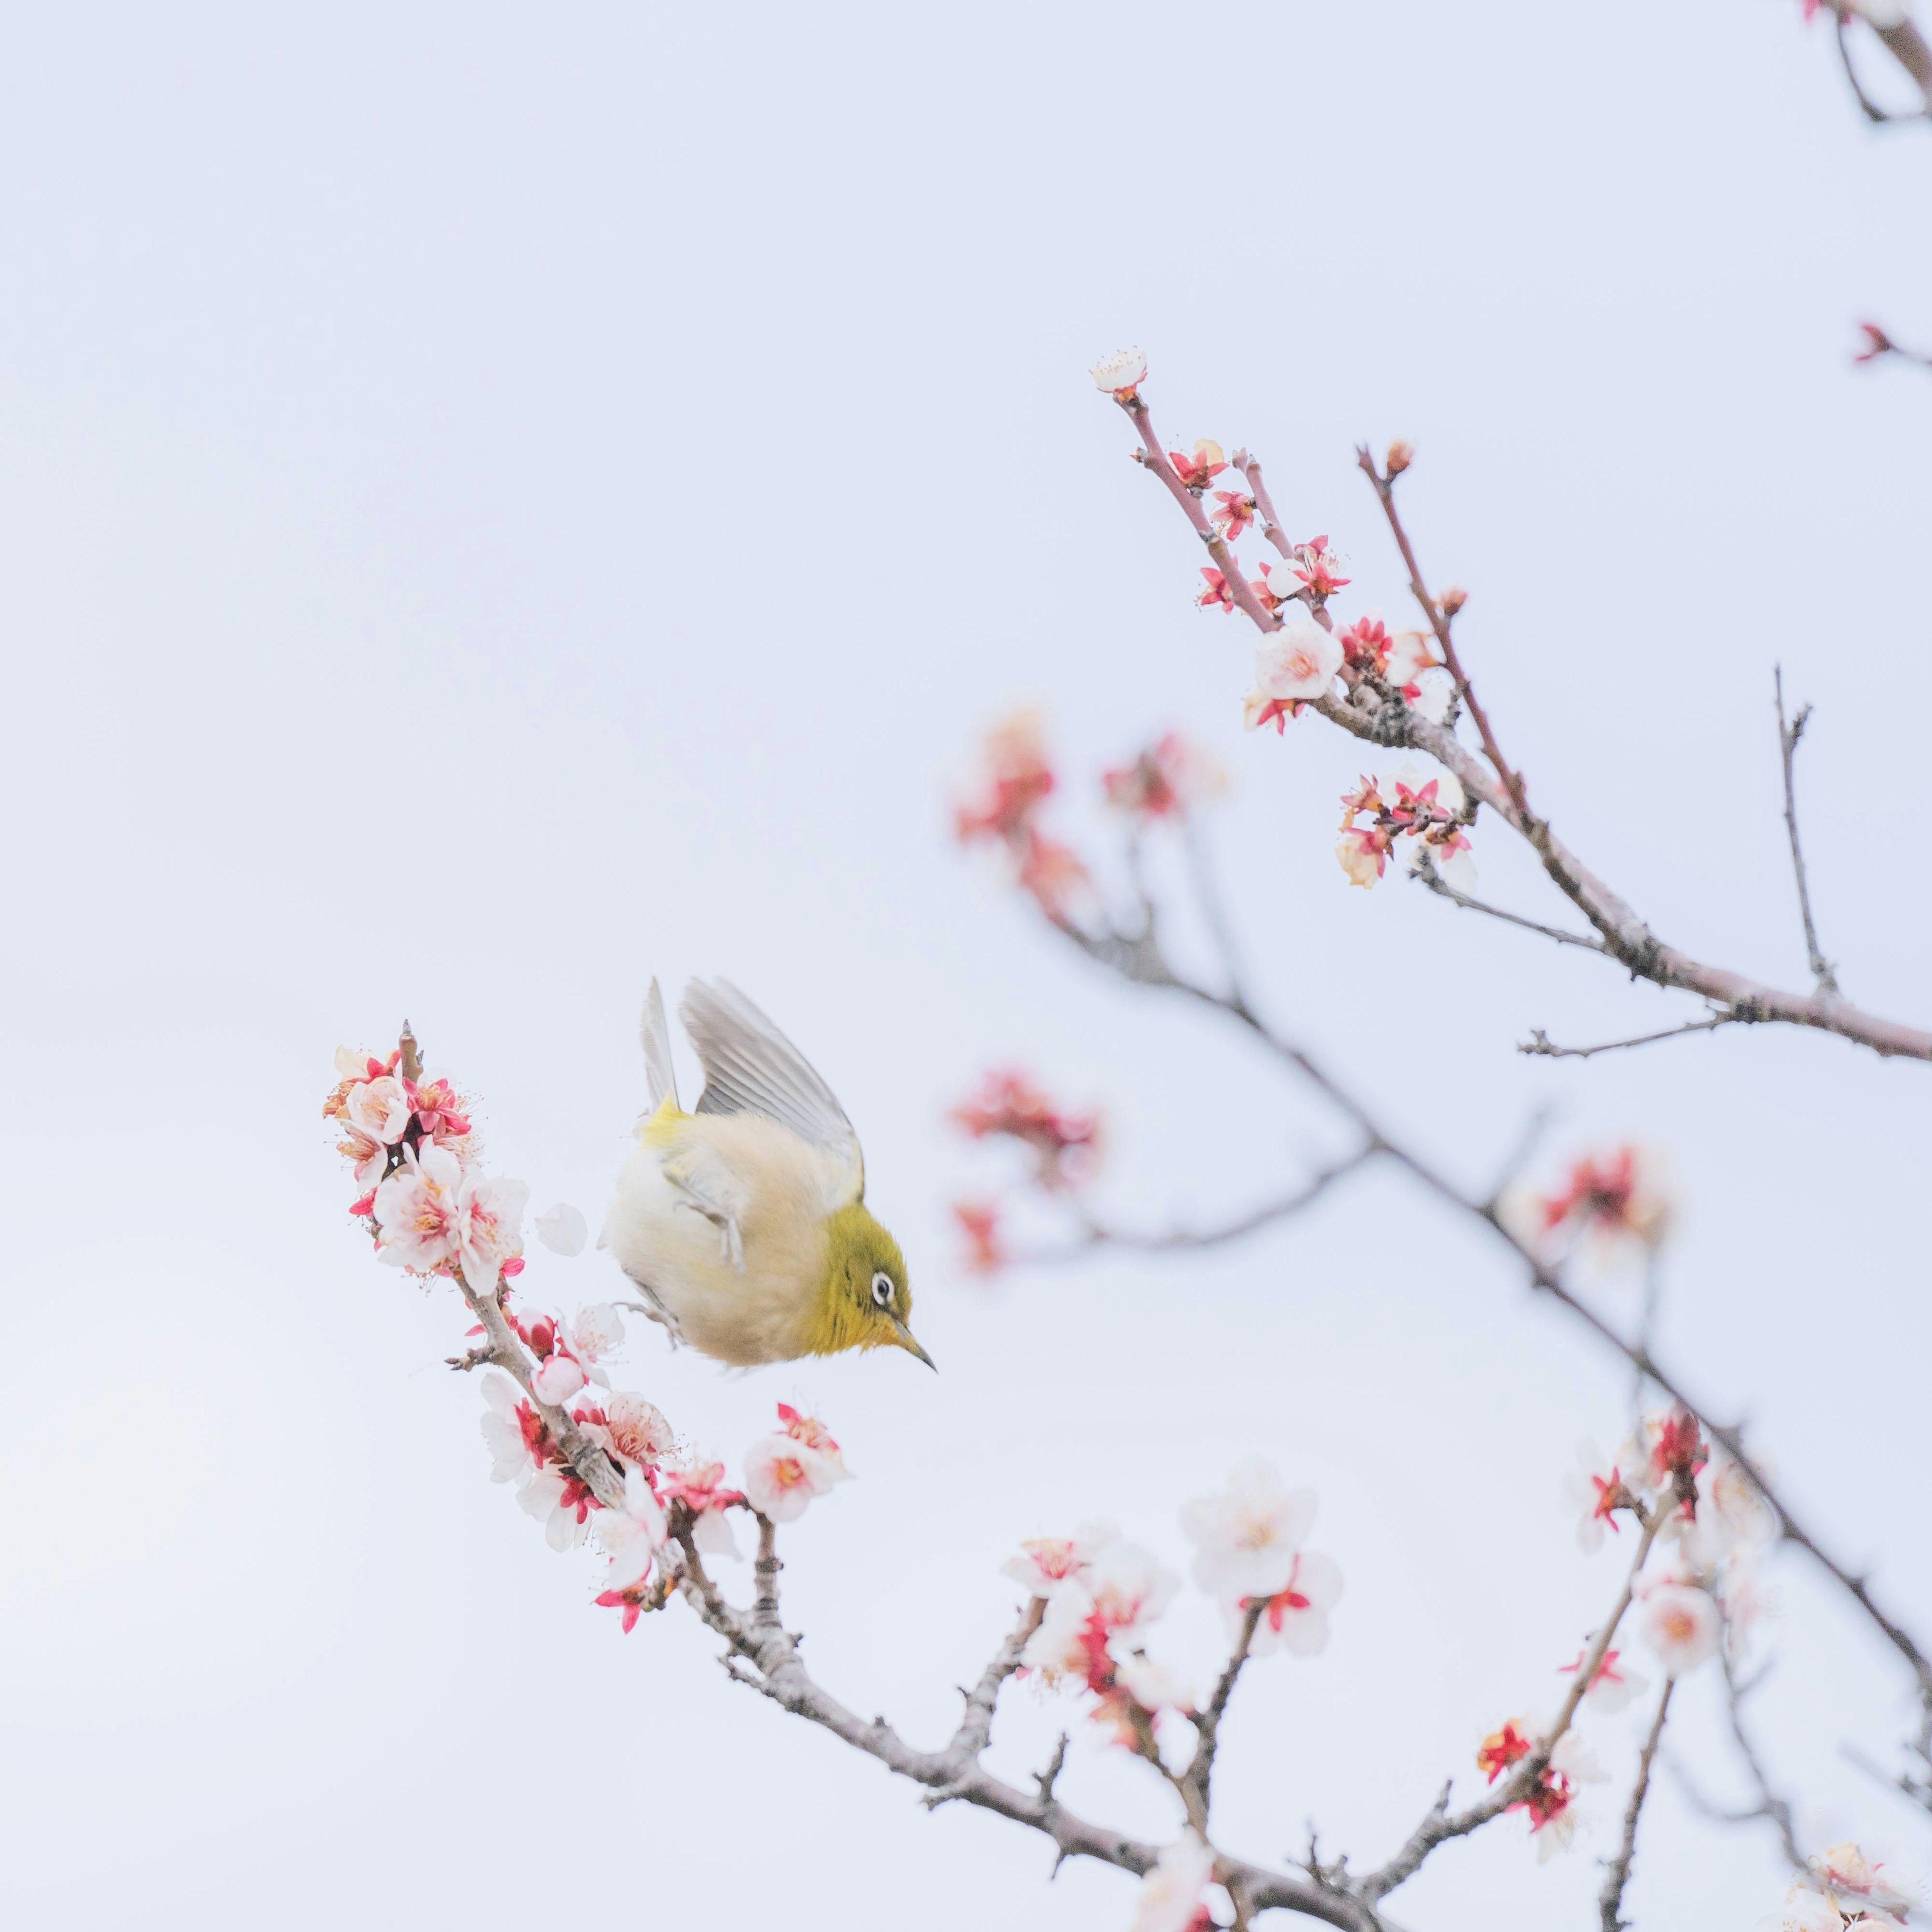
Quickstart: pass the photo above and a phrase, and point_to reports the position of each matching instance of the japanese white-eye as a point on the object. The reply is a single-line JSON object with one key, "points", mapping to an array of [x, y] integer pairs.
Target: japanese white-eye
{"points": [[744, 1224]]}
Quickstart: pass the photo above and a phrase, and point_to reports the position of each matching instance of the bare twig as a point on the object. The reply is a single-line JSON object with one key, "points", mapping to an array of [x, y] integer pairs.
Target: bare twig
{"points": [[1788, 735], [1426, 871], [1879, 117], [1540, 1041], [1207, 1724], [1618, 1875], [1095, 1234]]}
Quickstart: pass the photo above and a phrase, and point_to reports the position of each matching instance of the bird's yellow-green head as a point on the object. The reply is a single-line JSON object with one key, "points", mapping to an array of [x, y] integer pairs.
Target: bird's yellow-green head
{"points": [[864, 1301]]}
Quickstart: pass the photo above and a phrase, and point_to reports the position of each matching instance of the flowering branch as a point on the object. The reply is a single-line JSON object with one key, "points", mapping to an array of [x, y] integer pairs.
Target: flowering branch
{"points": [[1373, 709], [1618, 1874], [1441, 1824], [1788, 735]]}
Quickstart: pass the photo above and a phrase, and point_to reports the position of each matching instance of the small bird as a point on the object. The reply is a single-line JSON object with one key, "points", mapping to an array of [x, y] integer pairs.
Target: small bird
{"points": [[744, 1224]]}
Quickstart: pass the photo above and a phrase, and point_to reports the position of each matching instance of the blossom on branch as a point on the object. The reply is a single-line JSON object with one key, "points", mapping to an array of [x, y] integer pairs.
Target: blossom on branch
{"points": [[636, 1430], [1295, 1618], [782, 1475], [631, 1536], [1171, 1898], [1246, 1534], [813, 1434], [1362, 852], [1293, 666], [700, 1486], [1045, 1562], [1197, 471], [1508, 1745], [1613, 1686], [416, 1211], [1236, 513], [1121, 374], [1597, 1490], [1167, 780], [1310, 570], [1608, 1202], [1214, 591], [1847, 1880], [1008, 1106], [1682, 1626]]}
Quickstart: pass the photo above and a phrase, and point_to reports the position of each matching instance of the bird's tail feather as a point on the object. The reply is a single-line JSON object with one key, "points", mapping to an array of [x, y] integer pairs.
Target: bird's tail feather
{"points": [[655, 1031]]}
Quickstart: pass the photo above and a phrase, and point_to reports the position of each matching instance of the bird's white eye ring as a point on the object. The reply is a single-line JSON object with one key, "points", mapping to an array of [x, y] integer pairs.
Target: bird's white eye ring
{"points": [[882, 1289]]}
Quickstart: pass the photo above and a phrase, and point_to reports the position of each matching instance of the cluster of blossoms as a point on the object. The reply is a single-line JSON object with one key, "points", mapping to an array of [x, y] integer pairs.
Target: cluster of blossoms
{"points": [[1065, 1148], [431, 1210], [1711, 1522], [1410, 809], [1018, 781], [1841, 1887], [1099, 1594]]}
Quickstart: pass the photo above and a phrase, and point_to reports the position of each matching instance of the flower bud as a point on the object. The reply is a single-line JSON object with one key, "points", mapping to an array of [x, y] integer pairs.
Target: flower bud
{"points": [[1401, 454], [1452, 599]]}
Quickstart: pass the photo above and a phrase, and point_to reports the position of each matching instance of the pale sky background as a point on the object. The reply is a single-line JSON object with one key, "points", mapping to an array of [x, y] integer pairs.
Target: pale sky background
{"points": [[500, 502]]}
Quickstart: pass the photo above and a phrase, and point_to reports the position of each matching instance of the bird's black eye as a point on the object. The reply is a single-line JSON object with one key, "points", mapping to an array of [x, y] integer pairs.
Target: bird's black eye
{"points": [[882, 1289]]}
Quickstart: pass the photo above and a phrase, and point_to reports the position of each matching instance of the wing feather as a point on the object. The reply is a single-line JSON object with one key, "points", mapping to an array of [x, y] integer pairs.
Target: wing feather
{"points": [[750, 1067], [655, 1032]]}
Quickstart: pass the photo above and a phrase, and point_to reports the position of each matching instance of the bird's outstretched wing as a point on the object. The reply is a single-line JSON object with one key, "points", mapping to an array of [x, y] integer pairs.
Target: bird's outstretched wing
{"points": [[750, 1067], [654, 1030]]}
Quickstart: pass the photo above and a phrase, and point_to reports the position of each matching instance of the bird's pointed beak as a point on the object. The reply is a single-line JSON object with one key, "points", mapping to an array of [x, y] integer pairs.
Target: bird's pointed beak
{"points": [[909, 1342]]}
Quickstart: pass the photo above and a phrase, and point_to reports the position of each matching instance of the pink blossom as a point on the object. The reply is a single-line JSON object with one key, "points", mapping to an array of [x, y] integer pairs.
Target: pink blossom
{"points": [[978, 1221], [1120, 373], [1614, 1685], [379, 1108], [1053, 875], [1170, 1899], [631, 1536], [1595, 1489], [636, 1430], [700, 1487], [1299, 661], [1214, 591], [1310, 569], [556, 1378], [1246, 1534], [1197, 471], [561, 1503], [782, 1475], [1681, 1625], [1129, 1586], [813, 1434], [1045, 1562], [1509, 1745], [438, 1112], [1009, 1105], [1295, 1618], [1019, 780], [633, 1599], [488, 1225], [511, 1457], [371, 1158], [1362, 853], [1855, 1883], [1611, 1198], [1236, 513], [417, 1211]]}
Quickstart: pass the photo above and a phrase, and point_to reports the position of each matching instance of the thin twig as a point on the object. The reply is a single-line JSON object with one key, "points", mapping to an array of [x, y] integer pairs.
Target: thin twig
{"points": [[1617, 1877], [1426, 871], [1539, 1042], [1207, 1724], [1098, 1234], [1788, 735], [1879, 117]]}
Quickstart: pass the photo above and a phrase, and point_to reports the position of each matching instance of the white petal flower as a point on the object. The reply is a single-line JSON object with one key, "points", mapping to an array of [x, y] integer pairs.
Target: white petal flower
{"points": [[543, 1497], [556, 1379], [1295, 1618], [637, 1429], [1300, 660], [562, 1229], [1151, 1685], [1248, 1533], [379, 1108], [1577, 1761], [631, 1536], [417, 1211], [1119, 374], [1129, 1586], [597, 1331], [782, 1475], [510, 1458], [489, 1226], [1682, 1625], [1169, 1893]]}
